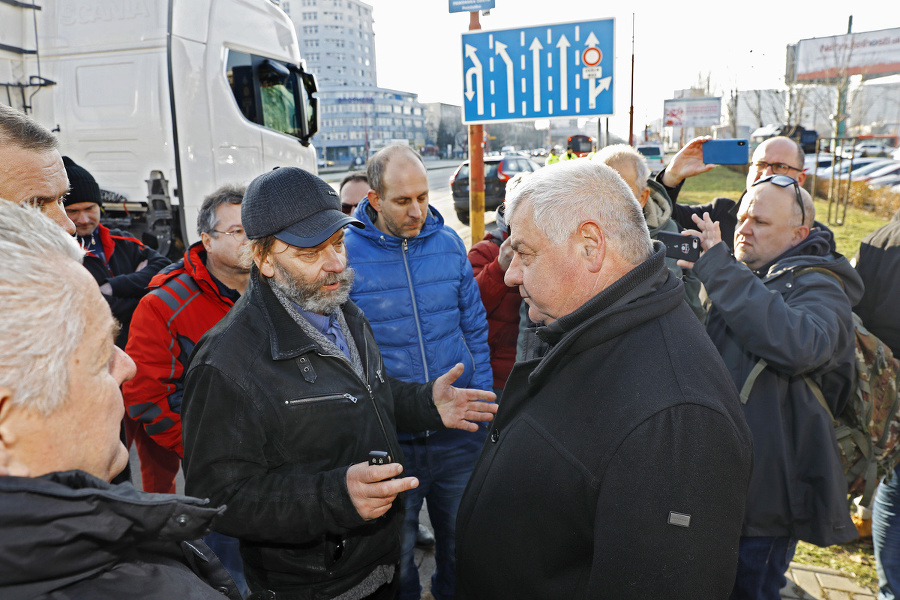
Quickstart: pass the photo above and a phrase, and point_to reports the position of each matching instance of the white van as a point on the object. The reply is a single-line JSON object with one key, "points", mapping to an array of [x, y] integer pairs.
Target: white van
{"points": [[653, 152]]}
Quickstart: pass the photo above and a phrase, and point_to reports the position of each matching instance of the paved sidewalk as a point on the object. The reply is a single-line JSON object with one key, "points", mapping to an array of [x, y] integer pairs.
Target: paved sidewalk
{"points": [[808, 583]]}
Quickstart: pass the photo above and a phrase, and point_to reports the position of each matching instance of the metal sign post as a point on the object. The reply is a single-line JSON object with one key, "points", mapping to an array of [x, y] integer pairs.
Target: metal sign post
{"points": [[476, 167]]}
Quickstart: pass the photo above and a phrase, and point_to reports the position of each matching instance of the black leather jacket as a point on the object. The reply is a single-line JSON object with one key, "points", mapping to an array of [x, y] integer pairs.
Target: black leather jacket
{"points": [[272, 423]]}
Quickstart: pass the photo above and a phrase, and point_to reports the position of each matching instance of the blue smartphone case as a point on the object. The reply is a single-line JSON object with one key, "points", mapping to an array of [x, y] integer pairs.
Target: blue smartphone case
{"points": [[726, 152]]}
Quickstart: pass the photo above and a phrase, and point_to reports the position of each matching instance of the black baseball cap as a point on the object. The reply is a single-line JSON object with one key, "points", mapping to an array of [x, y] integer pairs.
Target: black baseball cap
{"points": [[295, 206]]}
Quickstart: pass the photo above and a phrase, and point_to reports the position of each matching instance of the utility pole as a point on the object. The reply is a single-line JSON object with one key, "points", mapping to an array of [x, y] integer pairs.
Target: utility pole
{"points": [[842, 88], [631, 107], [476, 167]]}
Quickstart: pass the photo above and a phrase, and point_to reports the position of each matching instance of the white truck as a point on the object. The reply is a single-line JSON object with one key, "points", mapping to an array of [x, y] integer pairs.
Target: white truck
{"points": [[162, 101]]}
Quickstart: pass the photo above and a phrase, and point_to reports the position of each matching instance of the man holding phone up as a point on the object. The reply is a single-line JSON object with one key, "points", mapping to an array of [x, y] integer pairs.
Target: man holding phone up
{"points": [[781, 316], [775, 156], [286, 397]]}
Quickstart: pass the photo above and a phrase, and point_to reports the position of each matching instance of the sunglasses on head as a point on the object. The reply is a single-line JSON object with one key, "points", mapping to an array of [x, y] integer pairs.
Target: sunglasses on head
{"points": [[784, 181]]}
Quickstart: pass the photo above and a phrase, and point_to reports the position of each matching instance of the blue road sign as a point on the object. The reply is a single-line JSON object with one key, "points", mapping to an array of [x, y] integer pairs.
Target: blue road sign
{"points": [[470, 5], [561, 70]]}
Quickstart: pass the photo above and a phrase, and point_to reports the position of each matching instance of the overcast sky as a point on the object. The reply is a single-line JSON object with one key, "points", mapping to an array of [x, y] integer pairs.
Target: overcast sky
{"points": [[419, 49]]}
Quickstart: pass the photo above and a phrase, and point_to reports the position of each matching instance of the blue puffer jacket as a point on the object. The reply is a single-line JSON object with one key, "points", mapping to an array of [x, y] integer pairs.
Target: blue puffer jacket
{"points": [[422, 301]]}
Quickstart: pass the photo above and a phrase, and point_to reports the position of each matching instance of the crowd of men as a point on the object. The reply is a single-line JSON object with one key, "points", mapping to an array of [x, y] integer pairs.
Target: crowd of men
{"points": [[321, 363]]}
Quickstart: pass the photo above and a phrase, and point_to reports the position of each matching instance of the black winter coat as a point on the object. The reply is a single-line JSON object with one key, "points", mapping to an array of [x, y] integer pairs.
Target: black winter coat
{"points": [[617, 465], [123, 255], [801, 325], [72, 535], [271, 423]]}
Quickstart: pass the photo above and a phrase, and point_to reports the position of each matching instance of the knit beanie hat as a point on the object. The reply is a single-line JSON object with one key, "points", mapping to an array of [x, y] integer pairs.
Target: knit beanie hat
{"points": [[82, 185]]}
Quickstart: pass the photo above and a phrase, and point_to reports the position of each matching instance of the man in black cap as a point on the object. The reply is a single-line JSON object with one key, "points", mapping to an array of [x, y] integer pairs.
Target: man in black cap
{"points": [[286, 399], [120, 264]]}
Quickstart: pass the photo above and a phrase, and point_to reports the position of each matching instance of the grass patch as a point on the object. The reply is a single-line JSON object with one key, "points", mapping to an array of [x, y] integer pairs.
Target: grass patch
{"points": [[859, 221], [855, 560]]}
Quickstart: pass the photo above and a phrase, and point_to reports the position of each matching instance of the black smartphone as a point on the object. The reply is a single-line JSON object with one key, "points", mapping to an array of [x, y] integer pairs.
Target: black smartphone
{"points": [[378, 457], [726, 152], [683, 247]]}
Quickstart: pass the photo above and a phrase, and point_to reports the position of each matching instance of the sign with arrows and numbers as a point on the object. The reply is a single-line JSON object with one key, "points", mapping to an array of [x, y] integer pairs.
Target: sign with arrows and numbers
{"points": [[561, 70]]}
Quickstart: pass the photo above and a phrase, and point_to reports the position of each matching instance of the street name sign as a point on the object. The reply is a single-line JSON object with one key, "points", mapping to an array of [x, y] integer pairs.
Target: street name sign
{"points": [[547, 71], [470, 5]]}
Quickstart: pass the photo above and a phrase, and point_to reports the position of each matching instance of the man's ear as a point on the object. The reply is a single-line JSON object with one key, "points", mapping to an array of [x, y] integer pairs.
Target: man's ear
{"points": [[205, 239], [800, 234], [266, 265], [374, 200], [7, 415], [591, 245]]}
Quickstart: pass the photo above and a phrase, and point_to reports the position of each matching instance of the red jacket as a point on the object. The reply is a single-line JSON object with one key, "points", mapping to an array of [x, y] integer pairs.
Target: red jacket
{"points": [[183, 304], [501, 304]]}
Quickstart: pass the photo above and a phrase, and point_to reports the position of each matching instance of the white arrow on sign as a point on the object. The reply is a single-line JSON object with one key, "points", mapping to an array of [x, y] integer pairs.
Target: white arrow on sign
{"points": [[563, 45], [596, 89], [473, 74], [536, 48], [500, 48]]}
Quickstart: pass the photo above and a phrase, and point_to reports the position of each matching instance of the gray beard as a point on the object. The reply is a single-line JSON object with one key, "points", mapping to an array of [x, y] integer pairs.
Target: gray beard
{"points": [[308, 295]]}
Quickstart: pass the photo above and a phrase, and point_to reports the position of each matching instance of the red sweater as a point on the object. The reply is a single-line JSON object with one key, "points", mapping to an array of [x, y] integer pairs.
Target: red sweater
{"points": [[501, 304]]}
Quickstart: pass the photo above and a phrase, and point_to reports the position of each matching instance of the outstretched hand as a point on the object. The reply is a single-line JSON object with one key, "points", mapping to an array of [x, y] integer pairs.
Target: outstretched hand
{"points": [[687, 163], [708, 232], [462, 408]]}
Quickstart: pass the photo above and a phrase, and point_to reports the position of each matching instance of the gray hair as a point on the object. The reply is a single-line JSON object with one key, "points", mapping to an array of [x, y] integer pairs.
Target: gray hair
{"points": [[575, 191], [38, 326], [230, 193], [20, 130], [623, 153], [378, 164]]}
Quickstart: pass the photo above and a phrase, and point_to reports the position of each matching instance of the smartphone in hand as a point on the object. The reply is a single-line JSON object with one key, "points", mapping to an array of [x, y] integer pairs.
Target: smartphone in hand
{"points": [[682, 247], [726, 152]]}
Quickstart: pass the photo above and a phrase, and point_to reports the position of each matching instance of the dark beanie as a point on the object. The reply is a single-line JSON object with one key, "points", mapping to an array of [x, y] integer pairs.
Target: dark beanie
{"points": [[82, 186]]}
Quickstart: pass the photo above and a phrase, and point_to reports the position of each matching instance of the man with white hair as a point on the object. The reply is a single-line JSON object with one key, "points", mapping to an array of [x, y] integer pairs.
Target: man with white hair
{"points": [[618, 463], [31, 168], [60, 410]]}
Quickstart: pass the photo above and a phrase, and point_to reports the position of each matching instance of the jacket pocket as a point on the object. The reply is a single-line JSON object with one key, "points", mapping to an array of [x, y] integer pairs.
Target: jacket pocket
{"points": [[319, 399]]}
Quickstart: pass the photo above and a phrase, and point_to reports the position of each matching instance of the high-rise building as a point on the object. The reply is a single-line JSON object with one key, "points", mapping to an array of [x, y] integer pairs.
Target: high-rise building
{"points": [[357, 117]]}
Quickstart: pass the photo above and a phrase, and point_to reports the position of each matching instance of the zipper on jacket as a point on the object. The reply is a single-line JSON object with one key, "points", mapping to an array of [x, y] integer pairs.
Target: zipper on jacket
{"points": [[299, 401], [412, 296], [354, 399]]}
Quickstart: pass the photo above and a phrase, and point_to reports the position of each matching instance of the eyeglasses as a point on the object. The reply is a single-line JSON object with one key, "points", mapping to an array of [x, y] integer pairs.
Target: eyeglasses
{"points": [[347, 208], [784, 181], [234, 233], [777, 168]]}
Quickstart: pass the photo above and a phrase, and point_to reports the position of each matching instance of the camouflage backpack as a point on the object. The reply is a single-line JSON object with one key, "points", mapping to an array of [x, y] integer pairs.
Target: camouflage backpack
{"points": [[868, 428]]}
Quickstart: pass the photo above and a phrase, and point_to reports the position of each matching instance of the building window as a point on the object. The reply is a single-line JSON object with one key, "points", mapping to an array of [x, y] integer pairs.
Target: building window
{"points": [[310, 16]]}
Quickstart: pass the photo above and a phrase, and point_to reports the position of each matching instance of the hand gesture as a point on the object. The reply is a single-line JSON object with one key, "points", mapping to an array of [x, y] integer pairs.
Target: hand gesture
{"points": [[462, 408], [687, 163], [708, 232], [372, 490]]}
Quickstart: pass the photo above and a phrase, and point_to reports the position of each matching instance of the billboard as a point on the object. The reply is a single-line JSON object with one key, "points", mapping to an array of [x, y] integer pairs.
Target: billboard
{"points": [[869, 53], [692, 112]]}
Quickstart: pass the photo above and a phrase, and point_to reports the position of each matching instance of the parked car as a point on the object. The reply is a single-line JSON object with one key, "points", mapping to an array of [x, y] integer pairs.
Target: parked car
{"points": [[874, 166], [842, 166], [884, 181], [812, 165], [881, 169], [654, 154], [497, 171], [865, 149]]}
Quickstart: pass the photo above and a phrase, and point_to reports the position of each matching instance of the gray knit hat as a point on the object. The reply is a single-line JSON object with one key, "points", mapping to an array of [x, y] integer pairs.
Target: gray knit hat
{"points": [[295, 206]]}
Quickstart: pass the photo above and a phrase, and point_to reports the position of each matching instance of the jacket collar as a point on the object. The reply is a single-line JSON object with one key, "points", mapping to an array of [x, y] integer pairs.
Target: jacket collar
{"points": [[286, 339], [644, 293]]}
